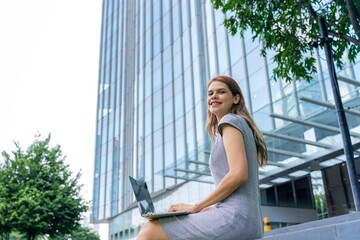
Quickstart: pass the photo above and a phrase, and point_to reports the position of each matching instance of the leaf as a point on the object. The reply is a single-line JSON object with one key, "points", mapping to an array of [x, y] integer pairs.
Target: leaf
{"points": [[287, 26]]}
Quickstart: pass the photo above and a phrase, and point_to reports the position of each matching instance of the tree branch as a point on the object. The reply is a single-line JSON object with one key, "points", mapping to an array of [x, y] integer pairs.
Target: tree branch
{"points": [[353, 17], [357, 13], [310, 8], [346, 37]]}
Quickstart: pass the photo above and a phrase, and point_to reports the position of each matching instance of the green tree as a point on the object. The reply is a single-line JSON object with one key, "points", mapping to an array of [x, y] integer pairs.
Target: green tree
{"points": [[84, 233], [79, 233], [38, 194], [288, 26]]}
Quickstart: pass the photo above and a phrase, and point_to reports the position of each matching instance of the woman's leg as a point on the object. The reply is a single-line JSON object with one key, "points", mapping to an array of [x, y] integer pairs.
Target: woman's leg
{"points": [[151, 230]]}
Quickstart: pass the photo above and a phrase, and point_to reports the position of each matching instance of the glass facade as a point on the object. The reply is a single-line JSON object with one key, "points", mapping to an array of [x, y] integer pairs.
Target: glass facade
{"points": [[155, 59]]}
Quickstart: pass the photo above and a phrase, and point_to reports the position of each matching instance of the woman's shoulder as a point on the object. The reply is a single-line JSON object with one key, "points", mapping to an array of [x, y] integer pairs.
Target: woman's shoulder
{"points": [[234, 120]]}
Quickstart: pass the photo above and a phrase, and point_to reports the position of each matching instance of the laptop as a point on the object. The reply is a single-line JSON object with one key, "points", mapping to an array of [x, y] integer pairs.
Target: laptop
{"points": [[145, 202]]}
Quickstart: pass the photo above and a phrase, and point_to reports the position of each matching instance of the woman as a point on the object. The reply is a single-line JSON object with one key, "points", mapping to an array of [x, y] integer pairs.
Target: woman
{"points": [[232, 210]]}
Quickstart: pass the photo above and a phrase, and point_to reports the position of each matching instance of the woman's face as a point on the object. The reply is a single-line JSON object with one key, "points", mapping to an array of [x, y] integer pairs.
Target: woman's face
{"points": [[220, 99]]}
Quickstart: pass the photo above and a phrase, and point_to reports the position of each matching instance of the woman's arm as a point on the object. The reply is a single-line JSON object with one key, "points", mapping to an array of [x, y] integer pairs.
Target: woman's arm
{"points": [[237, 175]]}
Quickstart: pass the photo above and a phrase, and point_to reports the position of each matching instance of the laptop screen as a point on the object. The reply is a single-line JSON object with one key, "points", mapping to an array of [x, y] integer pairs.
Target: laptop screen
{"points": [[142, 196]]}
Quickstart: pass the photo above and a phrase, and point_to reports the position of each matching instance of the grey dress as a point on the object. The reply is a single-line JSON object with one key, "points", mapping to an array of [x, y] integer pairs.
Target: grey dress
{"points": [[236, 217]]}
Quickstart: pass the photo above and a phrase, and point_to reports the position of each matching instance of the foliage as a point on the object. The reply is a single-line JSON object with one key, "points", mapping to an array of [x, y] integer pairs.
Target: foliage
{"points": [[38, 194], [288, 26], [84, 233], [79, 233], [11, 236], [320, 204]]}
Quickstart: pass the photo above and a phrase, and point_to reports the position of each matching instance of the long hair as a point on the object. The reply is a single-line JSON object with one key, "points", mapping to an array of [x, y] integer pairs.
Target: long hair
{"points": [[239, 109]]}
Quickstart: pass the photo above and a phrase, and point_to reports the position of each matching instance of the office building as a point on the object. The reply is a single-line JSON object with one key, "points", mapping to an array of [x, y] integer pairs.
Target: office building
{"points": [[156, 57]]}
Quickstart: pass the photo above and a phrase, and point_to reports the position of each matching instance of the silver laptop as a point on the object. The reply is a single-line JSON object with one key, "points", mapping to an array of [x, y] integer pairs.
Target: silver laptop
{"points": [[145, 203]]}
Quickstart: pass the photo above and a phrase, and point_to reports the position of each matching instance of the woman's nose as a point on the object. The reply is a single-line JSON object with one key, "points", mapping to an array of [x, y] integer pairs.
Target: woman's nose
{"points": [[214, 95]]}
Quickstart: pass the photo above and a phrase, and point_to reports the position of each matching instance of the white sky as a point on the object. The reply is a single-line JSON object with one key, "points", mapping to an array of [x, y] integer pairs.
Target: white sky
{"points": [[49, 55]]}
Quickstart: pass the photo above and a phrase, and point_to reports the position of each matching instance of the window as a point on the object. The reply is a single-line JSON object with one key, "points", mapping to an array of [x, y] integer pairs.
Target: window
{"points": [[268, 197], [285, 195], [303, 193]]}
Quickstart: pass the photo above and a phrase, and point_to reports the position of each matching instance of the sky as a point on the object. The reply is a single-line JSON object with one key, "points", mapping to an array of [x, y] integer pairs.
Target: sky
{"points": [[49, 55]]}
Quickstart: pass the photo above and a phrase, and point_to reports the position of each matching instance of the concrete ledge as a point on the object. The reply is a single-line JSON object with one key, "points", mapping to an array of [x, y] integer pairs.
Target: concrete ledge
{"points": [[345, 227]]}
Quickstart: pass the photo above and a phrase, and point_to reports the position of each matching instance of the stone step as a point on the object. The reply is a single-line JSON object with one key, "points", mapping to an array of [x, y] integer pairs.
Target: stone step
{"points": [[345, 227]]}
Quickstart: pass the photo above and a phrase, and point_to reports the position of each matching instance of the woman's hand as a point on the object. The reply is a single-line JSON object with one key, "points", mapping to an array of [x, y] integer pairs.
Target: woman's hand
{"points": [[185, 207]]}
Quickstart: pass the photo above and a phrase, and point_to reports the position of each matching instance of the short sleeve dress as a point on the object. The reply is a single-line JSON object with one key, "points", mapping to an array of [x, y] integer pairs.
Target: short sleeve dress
{"points": [[236, 217]]}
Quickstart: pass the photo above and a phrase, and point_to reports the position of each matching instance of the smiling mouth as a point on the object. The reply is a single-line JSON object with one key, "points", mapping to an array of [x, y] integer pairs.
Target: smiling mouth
{"points": [[214, 103]]}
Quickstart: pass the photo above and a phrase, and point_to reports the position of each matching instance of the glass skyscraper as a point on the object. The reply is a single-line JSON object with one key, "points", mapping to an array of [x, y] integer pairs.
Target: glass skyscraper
{"points": [[156, 57]]}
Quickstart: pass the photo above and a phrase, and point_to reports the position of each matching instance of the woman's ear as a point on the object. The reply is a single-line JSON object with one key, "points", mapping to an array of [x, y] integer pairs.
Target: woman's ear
{"points": [[237, 99]]}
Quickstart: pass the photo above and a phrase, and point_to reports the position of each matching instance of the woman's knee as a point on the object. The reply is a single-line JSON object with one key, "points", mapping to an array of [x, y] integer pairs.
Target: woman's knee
{"points": [[151, 230], [145, 232]]}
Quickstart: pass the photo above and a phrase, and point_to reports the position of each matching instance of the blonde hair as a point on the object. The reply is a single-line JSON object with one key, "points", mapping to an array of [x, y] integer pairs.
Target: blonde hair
{"points": [[239, 109]]}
